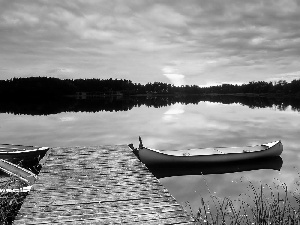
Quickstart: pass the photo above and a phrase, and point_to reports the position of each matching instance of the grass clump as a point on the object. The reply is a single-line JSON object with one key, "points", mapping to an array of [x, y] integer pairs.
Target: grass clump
{"points": [[10, 202], [261, 206], [13, 192]]}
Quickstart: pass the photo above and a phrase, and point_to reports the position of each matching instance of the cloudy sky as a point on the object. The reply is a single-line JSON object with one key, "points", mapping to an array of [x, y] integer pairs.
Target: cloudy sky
{"points": [[199, 42]]}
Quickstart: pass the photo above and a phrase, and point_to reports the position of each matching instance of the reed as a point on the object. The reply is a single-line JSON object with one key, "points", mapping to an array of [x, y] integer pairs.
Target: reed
{"points": [[10, 202], [261, 205]]}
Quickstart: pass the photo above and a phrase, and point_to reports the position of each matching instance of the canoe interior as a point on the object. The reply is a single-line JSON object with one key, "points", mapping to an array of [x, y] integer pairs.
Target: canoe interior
{"points": [[214, 151]]}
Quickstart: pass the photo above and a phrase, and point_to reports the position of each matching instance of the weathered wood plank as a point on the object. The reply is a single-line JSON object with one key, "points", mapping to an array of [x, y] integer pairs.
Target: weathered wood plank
{"points": [[98, 185]]}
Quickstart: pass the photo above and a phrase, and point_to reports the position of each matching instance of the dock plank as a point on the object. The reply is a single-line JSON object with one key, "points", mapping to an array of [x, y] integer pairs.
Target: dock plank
{"points": [[98, 185]]}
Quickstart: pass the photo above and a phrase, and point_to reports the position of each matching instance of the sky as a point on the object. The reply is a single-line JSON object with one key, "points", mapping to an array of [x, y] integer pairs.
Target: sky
{"points": [[183, 42]]}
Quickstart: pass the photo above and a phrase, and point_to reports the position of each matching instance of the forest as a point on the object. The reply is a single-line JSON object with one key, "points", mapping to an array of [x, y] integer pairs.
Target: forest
{"points": [[49, 87]]}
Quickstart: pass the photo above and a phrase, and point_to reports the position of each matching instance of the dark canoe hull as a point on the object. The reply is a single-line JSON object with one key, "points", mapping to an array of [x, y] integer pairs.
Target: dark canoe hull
{"points": [[182, 169], [152, 157], [24, 155]]}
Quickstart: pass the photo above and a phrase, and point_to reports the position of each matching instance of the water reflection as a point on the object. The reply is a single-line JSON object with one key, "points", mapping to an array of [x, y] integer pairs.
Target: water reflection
{"points": [[172, 113], [238, 186], [166, 125], [189, 190], [184, 169], [114, 104]]}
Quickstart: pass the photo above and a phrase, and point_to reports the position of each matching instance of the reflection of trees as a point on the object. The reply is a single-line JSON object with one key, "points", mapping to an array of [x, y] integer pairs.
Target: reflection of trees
{"points": [[54, 106], [256, 102], [54, 87]]}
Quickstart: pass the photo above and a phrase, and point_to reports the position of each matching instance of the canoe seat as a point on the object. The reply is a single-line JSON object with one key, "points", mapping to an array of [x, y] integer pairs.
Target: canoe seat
{"points": [[218, 151], [186, 154]]}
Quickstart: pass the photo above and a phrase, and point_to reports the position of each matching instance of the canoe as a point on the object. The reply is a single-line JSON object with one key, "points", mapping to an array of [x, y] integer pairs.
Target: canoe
{"points": [[26, 176], [20, 153], [183, 169], [14, 170], [207, 155]]}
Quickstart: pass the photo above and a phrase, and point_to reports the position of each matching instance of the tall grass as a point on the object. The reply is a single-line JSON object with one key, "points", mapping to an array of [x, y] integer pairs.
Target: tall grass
{"points": [[10, 202], [260, 206]]}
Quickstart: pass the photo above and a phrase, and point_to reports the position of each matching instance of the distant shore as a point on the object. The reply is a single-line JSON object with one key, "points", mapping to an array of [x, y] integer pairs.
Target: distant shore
{"points": [[49, 87]]}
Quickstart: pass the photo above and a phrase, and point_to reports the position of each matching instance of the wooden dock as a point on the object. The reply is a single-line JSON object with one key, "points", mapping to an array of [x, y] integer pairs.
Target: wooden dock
{"points": [[98, 185]]}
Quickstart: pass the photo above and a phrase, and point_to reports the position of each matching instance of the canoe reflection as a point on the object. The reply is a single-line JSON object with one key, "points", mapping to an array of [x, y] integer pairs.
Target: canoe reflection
{"points": [[182, 169]]}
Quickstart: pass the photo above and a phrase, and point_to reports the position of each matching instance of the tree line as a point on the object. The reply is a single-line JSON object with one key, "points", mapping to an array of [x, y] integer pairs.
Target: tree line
{"points": [[49, 87]]}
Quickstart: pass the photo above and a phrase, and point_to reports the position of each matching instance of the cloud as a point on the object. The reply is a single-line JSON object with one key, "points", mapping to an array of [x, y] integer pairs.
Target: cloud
{"points": [[209, 40], [67, 119], [61, 70], [164, 15], [175, 78], [287, 77]]}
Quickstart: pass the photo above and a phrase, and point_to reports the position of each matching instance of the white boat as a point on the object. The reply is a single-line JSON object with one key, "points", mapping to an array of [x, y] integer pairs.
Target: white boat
{"points": [[207, 155]]}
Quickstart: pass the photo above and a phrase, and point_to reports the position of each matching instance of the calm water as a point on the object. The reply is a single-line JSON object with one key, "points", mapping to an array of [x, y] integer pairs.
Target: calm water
{"points": [[178, 126]]}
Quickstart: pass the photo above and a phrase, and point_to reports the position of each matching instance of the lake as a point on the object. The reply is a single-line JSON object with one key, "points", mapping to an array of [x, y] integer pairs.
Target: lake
{"points": [[176, 126]]}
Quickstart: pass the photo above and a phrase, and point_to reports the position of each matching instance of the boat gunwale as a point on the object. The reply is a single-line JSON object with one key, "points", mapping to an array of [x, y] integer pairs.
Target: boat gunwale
{"points": [[232, 153], [21, 151]]}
